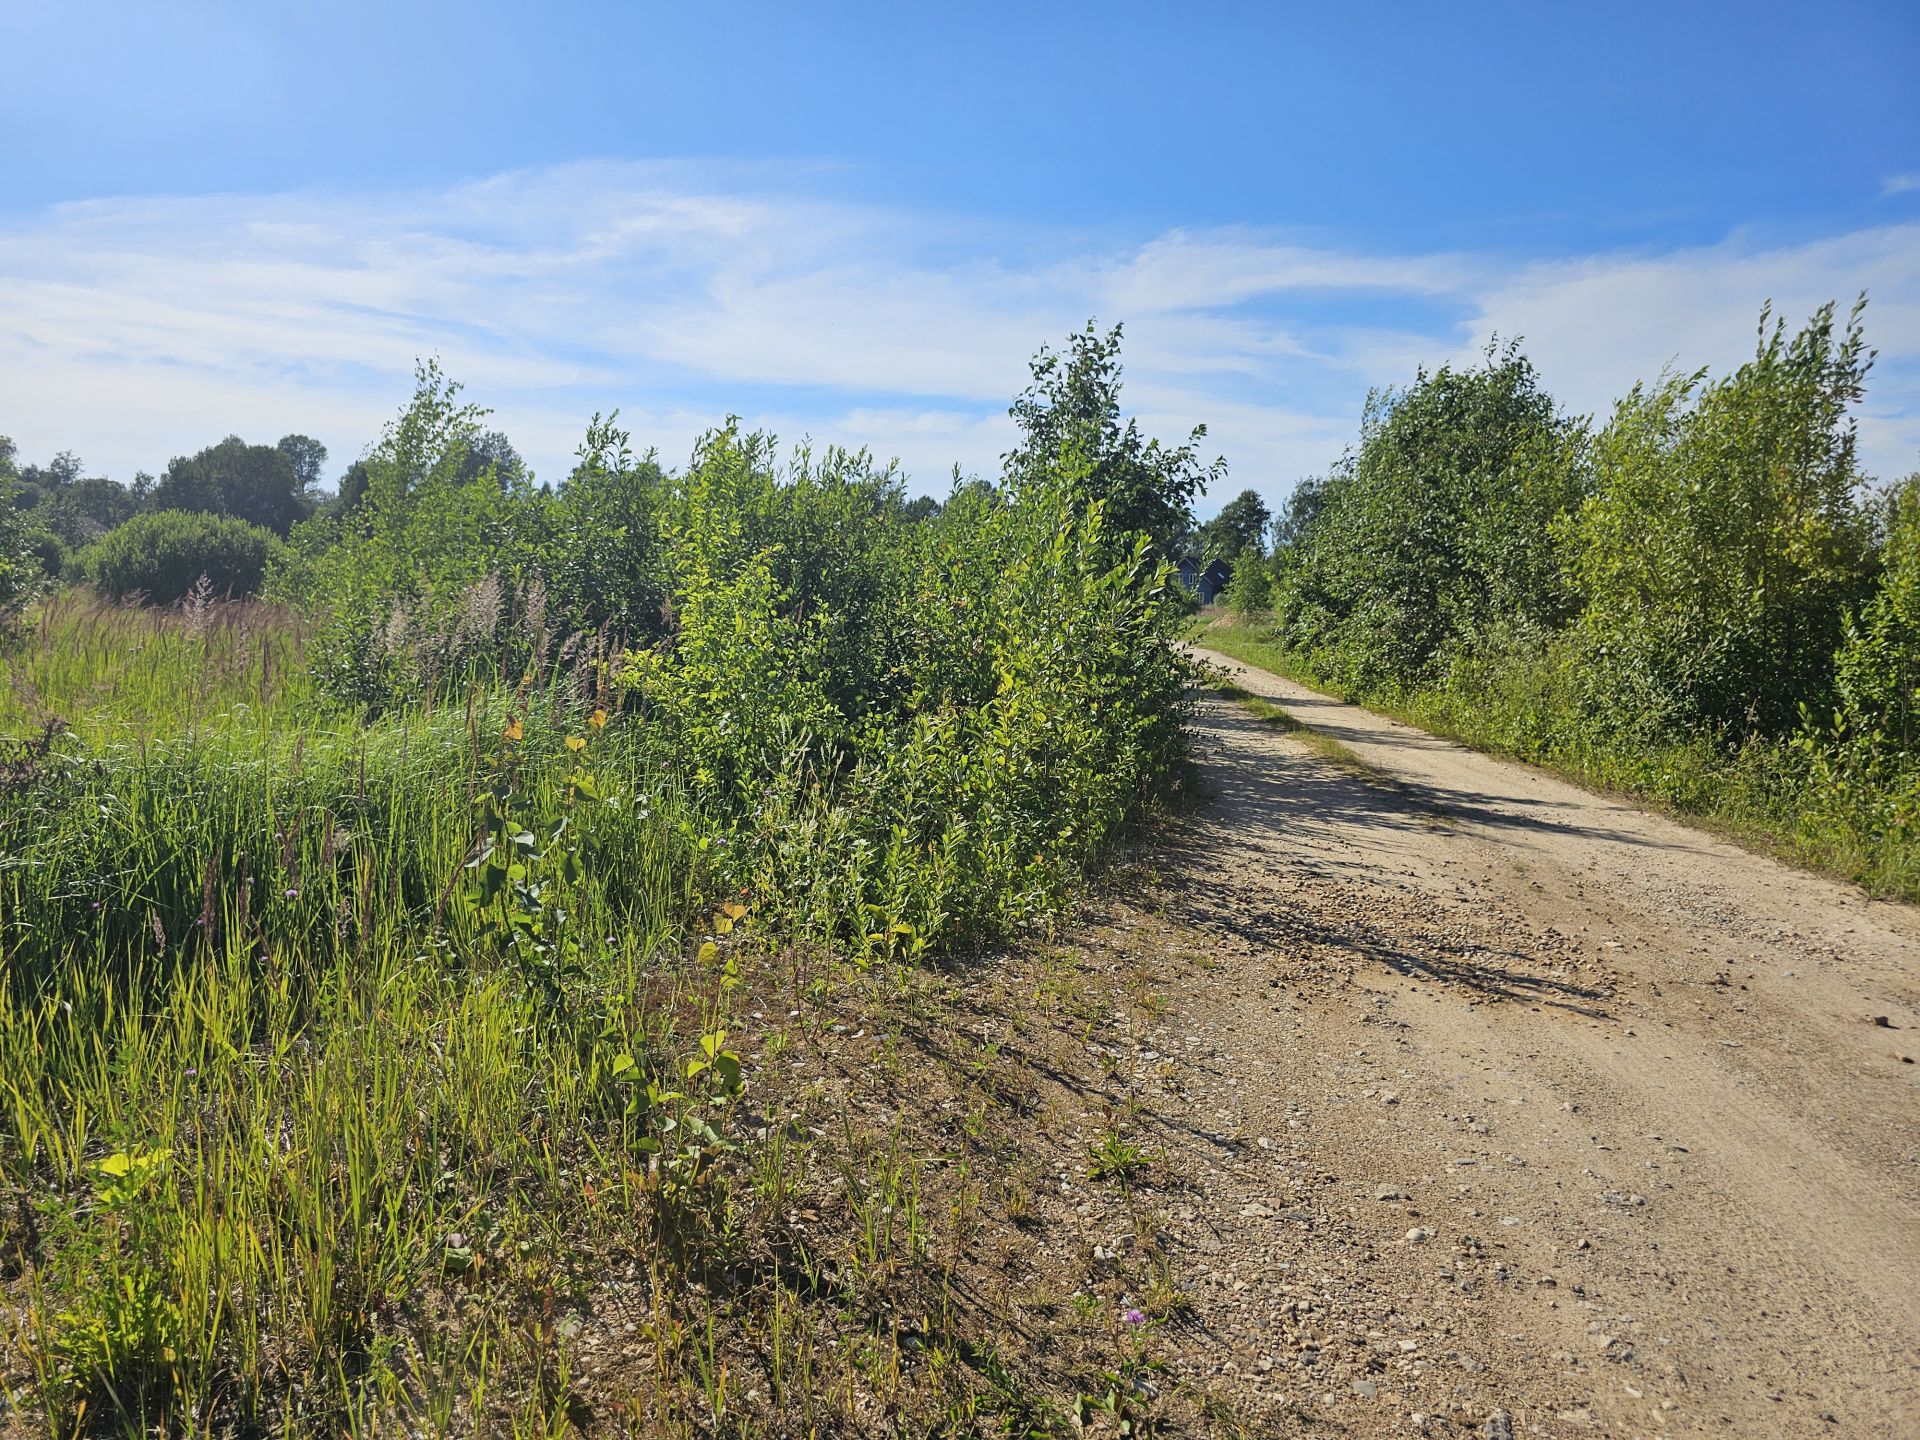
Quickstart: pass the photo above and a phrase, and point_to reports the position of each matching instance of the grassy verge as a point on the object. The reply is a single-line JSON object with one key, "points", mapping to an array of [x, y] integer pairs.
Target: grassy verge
{"points": [[1760, 795], [473, 1072]]}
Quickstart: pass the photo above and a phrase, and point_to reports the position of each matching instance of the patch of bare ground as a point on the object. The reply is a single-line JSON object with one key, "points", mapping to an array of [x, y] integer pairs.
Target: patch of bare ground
{"points": [[918, 1241]]}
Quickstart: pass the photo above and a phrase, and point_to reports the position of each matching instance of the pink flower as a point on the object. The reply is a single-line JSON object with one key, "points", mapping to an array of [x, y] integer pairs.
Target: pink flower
{"points": [[1134, 1317]]}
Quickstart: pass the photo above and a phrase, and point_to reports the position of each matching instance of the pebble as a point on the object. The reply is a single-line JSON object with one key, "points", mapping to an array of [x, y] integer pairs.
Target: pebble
{"points": [[1389, 1192], [1498, 1427], [1418, 1236], [1366, 1389]]}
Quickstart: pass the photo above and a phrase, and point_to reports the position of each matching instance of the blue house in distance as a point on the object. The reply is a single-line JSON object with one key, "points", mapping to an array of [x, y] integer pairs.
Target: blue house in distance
{"points": [[1205, 581]]}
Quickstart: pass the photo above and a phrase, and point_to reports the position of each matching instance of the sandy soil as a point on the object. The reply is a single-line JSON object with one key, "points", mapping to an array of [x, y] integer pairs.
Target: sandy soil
{"points": [[1504, 1108]]}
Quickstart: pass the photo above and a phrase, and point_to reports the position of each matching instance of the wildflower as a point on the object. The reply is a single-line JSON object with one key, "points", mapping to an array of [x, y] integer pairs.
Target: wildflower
{"points": [[576, 744], [1134, 1317], [290, 893]]}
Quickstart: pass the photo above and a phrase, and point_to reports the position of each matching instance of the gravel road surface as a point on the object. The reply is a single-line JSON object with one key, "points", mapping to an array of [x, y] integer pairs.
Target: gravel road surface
{"points": [[1509, 1108]]}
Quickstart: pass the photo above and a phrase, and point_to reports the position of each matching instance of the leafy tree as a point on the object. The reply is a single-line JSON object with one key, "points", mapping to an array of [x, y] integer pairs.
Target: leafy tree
{"points": [[491, 453], [84, 510], [255, 483], [1073, 434], [1239, 529], [352, 488], [1724, 541], [1250, 588], [440, 558], [607, 560], [1877, 670], [66, 509], [1297, 516], [1435, 535], [309, 459], [39, 483]]}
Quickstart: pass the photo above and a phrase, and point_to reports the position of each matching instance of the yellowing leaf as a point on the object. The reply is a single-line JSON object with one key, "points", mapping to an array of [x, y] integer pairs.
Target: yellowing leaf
{"points": [[708, 953], [576, 744], [514, 730], [598, 720]]}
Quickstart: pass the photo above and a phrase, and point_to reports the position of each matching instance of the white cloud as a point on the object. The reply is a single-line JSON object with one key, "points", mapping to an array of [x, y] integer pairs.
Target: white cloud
{"points": [[138, 329], [1900, 184], [1595, 325]]}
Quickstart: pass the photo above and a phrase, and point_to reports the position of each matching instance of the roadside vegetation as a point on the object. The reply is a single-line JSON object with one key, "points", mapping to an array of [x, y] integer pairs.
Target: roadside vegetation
{"points": [[1701, 601], [504, 979]]}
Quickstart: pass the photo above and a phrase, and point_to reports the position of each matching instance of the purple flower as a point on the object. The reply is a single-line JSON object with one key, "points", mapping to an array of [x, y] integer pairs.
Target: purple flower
{"points": [[290, 893], [1134, 1317]]}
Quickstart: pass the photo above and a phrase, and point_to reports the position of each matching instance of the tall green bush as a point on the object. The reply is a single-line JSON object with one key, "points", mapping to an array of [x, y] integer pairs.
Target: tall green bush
{"points": [[1864, 757], [433, 579], [1877, 670], [162, 555], [18, 565], [1250, 587]]}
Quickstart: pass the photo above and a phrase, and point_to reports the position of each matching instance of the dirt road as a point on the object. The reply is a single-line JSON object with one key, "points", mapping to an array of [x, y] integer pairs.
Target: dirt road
{"points": [[1509, 1108]]}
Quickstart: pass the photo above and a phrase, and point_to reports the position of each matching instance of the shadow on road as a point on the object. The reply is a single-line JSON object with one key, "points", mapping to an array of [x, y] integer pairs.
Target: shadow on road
{"points": [[1279, 821]]}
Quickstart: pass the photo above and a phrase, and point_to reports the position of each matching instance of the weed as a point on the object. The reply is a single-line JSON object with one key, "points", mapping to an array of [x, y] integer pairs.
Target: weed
{"points": [[1114, 1157]]}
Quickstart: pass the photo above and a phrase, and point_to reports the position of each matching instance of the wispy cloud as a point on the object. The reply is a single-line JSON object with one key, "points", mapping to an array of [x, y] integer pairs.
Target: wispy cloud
{"points": [[142, 328], [1901, 184]]}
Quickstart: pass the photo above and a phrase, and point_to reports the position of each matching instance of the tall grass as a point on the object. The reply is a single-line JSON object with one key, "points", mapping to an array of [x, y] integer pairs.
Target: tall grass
{"points": [[113, 672], [282, 1127]]}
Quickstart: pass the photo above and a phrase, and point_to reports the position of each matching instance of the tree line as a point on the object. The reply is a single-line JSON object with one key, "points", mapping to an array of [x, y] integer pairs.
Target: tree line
{"points": [[241, 497]]}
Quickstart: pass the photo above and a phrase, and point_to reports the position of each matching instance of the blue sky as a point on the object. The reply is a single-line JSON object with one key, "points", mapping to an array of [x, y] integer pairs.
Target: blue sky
{"points": [[855, 222]]}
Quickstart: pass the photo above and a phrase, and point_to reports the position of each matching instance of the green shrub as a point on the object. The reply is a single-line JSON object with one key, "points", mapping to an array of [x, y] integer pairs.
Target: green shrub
{"points": [[1724, 543], [1877, 670], [1250, 590], [1436, 531], [161, 556], [49, 552], [17, 564]]}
